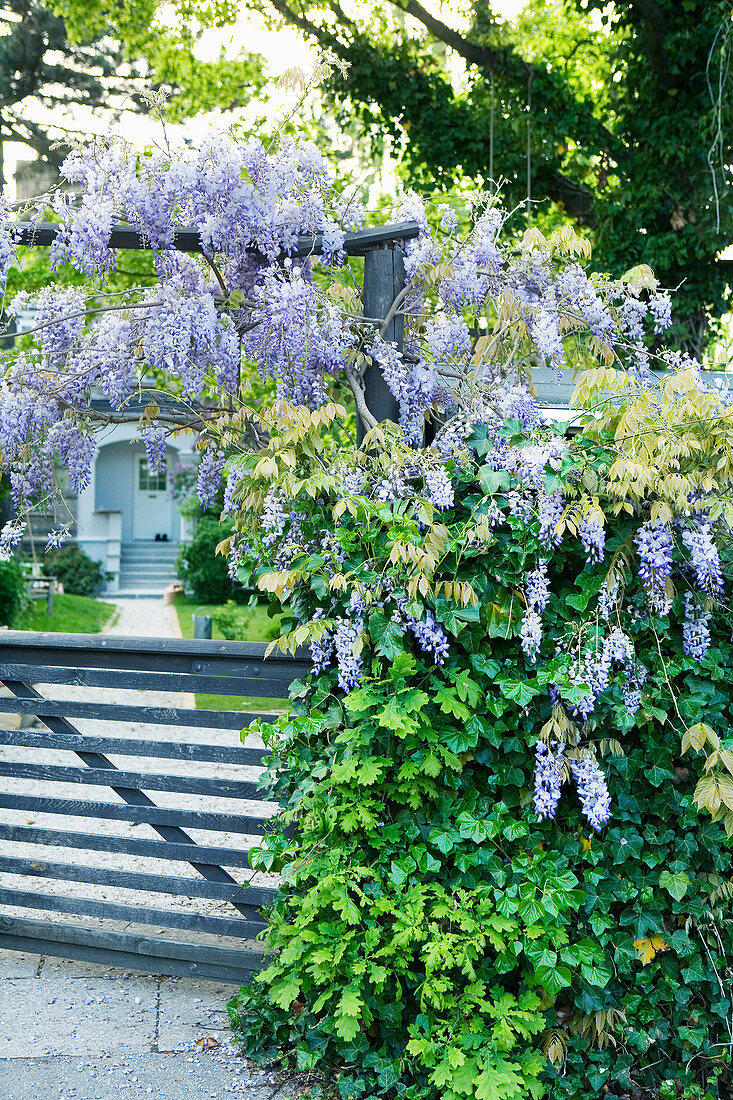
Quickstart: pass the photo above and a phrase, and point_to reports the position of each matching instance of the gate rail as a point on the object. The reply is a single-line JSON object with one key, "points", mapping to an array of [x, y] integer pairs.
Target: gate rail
{"points": [[143, 664]]}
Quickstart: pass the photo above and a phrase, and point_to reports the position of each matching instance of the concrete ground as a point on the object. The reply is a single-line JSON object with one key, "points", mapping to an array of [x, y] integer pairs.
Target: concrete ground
{"points": [[77, 1031]]}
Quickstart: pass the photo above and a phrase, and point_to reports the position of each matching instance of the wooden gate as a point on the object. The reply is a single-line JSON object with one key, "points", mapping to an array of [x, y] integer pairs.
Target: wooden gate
{"points": [[42, 769]]}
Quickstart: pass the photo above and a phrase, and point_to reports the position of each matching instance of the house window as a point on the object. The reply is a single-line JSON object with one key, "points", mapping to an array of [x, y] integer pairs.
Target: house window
{"points": [[148, 481]]}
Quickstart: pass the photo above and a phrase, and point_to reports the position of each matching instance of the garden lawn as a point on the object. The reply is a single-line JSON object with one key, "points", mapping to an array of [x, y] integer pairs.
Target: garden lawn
{"points": [[261, 628], [71, 615]]}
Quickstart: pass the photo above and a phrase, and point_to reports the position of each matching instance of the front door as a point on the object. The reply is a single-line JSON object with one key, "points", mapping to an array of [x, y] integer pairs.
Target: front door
{"points": [[153, 507]]}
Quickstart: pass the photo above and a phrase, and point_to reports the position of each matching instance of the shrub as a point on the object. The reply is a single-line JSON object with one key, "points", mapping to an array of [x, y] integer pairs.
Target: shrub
{"points": [[76, 571], [13, 592], [509, 772], [202, 570], [237, 623]]}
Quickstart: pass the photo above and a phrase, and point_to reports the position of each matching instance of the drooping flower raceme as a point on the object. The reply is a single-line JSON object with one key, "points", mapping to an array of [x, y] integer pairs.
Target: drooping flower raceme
{"points": [[592, 790], [593, 538], [704, 557], [550, 762], [695, 629], [208, 478], [654, 546], [348, 661]]}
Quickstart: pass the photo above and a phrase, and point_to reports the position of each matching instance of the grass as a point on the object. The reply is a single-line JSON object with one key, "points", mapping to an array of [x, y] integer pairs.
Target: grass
{"points": [[70, 615], [260, 628]]}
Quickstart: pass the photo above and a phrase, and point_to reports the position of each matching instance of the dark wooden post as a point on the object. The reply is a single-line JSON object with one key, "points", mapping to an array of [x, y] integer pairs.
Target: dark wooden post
{"points": [[384, 278]]}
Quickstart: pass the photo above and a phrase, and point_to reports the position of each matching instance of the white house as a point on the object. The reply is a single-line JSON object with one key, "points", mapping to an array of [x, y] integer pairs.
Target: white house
{"points": [[127, 518]]}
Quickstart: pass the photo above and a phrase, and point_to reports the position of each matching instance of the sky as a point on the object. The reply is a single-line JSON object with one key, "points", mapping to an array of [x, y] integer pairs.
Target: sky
{"points": [[283, 50]]}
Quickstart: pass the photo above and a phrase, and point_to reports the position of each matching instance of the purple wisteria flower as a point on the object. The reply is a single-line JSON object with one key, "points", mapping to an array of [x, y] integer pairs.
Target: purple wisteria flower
{"points": [[10, 535], [235, 477], [593, 538], [273, 518], [531, 634], [348, 662], [704, 557], [430, 636], [439, 489], [537, 587], [548, 776], [654, 546], [7, 248], [550, 510], [321, 648], [208, 478], [156, 443], [695, 629], [590, 781]]}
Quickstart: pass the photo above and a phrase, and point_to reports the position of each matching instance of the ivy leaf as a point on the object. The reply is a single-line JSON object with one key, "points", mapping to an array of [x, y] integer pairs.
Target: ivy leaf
{"points": [[553, 978], [675, 884], [472, 828], [492, 481], [387, 636], [649, 946], [519, 691], [596, 975], [401, 869], [388, 1078], [487, 666]]}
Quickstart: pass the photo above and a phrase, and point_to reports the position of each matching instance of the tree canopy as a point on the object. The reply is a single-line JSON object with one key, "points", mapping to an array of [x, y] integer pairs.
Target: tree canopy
{"points": [[617, 115]]}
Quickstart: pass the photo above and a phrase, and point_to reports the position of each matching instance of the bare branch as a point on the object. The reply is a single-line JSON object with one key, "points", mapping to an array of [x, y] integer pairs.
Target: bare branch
{"points": [[357, 388], [79, 313]]}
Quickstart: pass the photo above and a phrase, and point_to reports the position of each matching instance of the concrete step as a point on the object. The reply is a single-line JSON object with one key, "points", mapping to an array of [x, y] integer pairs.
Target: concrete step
{"points": [[144, 580]]}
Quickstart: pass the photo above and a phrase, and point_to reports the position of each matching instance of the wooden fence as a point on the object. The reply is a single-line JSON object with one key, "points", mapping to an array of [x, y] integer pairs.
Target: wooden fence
{"points": [[213, 909]]}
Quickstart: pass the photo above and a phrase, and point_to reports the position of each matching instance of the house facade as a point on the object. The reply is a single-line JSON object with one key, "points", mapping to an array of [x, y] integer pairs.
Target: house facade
{"points": [[128, 518]]}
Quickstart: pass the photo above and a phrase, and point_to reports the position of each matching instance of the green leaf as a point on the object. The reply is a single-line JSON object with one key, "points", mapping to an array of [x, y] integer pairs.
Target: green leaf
{"points": [[596, 975], [553, 978], [348, 1012], [492, 481], [388, 638], [519, 691], [401, 869], [284, 991], [487, 666], [675, 884]]}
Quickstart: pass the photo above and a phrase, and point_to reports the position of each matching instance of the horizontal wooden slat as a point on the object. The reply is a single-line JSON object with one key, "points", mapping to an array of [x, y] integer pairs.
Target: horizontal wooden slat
{"points": [[142, 681], [182, 655], [123, 746], [109, 956], [145, 781], [152, 815], [43, 234], [152, 953], [135, 914], [124, 845], [250, 898], [149, 716]]}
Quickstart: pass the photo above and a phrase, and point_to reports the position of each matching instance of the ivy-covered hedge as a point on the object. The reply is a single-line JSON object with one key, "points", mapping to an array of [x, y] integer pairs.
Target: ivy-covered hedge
{"points": [[433, 937]]}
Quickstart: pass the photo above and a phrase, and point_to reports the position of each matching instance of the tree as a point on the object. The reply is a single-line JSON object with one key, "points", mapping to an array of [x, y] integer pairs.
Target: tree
{"points": [[44, 63], [39, 67], [628, 104]]}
